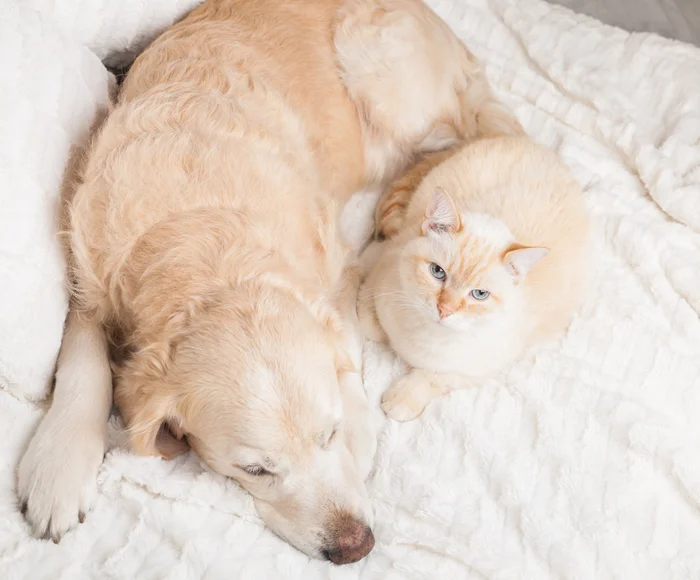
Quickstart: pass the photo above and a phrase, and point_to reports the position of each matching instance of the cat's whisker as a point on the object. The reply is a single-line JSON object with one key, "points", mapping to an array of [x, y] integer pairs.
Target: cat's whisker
{"points": [[382, 292], [405, 306]]}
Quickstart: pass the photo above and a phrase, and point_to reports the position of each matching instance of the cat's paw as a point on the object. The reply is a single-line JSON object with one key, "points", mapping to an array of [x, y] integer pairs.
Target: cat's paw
{"points": [[407, 397], [57, 477]]}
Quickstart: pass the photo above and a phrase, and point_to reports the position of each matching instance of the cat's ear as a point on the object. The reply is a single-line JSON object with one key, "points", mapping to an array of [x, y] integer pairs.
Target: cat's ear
{"points": [[519, 261], [441, 214]]}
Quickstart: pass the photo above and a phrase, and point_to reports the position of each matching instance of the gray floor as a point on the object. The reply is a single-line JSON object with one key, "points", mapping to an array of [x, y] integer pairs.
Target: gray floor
{"points": [[679, 19]]}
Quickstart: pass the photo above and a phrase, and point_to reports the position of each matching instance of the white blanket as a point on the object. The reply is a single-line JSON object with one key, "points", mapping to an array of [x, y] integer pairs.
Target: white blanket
{"points": [[582, 462]]}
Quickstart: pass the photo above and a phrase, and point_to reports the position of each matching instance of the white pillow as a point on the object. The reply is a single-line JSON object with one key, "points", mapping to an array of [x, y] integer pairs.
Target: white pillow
{"points": [[52, 84]]}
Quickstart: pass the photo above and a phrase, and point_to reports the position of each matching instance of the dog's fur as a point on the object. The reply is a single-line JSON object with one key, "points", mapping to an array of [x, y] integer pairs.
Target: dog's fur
{"points": [[204, 244]]}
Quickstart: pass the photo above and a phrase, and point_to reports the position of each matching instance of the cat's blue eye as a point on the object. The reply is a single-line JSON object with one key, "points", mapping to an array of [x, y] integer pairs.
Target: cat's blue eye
{"points": [[437, 272], [478, 294]]}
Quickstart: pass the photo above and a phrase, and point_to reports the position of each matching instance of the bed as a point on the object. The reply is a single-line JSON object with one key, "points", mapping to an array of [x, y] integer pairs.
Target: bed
{"points": [[582, 461]]}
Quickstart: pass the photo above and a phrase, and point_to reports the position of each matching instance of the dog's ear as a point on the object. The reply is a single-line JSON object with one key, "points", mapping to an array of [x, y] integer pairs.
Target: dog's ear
{"points": [[149, 410], [155, 428]]}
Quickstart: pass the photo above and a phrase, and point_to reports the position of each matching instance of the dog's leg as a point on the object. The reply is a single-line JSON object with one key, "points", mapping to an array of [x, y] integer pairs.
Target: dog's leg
{"points": [[359, 429], [360, 432], [417, 88], [57, 475]]}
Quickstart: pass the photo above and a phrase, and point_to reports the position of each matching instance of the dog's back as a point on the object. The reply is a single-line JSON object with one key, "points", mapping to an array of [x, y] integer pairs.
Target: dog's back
{"points": [[229, 114], [279, 46]]}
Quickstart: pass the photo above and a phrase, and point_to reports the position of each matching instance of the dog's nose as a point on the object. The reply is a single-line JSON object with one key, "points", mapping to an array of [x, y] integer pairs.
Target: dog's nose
{"points": [[353, 541]]}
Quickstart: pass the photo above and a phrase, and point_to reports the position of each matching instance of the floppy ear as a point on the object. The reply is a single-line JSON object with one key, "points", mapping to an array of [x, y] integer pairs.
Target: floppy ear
{"points": [[154, 425], [155, 430], [521, 260], [441, 214]]}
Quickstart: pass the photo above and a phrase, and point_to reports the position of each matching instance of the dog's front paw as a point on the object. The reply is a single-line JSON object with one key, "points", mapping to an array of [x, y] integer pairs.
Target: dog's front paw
{"points": [[359, 429], [361, 440], [57, 477], [407, 397]]}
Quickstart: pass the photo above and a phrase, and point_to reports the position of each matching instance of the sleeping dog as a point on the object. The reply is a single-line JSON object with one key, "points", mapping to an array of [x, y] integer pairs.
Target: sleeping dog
{"points": [[204, 245]]}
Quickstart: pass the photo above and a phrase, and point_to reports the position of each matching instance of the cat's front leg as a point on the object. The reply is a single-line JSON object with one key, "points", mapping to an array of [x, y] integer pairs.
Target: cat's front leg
{"points": [[408, 397]]}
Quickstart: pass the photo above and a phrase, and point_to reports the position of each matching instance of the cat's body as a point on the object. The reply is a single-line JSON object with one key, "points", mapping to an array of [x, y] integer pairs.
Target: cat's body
{"points": [[489, 258]]}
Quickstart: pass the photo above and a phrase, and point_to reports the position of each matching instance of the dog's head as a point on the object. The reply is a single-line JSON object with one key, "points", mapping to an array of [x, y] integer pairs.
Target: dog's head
{"points": [[252, 384]]}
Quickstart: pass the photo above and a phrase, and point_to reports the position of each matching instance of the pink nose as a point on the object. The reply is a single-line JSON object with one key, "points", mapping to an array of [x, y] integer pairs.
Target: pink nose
{"points": [[353, 541], [445, 310]]}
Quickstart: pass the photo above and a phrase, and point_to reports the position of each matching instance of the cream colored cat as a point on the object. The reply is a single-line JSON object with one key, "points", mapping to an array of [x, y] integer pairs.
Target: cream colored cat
{"points": [[488, 255]]}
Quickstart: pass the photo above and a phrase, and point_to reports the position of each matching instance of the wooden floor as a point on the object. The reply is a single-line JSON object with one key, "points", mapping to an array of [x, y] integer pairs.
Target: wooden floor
{"points": [[679, 19]]}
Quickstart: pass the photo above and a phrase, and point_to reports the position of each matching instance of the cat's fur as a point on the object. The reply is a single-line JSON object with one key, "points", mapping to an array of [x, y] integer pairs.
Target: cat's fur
{"points": [[502, 215]]}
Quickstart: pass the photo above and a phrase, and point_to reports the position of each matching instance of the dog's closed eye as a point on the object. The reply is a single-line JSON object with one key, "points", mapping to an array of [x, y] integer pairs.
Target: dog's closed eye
{"points": [[256, 470]]}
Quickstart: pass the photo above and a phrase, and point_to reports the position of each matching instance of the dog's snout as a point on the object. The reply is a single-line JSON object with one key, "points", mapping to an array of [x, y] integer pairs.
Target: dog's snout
{"points": [[352, 540]]}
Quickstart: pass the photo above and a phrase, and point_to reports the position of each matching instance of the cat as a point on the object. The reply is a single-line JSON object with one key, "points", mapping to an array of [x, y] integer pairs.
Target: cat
{"points": [[486, 254]]}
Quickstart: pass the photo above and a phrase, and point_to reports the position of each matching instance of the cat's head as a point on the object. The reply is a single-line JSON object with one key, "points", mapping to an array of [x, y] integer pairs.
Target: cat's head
{"points": [[461, 267]]}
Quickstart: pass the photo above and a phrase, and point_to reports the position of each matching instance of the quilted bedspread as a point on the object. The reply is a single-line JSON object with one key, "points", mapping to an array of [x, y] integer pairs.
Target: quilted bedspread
{"points": [[581, 462]]}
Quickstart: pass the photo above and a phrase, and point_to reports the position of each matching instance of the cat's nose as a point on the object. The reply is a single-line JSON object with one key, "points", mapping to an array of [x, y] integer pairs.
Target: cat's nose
{"points": [[445, 310]]}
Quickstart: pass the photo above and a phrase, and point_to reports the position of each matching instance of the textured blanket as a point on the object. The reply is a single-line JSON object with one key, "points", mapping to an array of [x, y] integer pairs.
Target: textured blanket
{"points": [[581, 462]]}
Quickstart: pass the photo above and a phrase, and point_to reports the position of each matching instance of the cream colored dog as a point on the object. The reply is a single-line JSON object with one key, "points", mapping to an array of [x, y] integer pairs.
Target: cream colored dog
{"points": [[204, 247]]}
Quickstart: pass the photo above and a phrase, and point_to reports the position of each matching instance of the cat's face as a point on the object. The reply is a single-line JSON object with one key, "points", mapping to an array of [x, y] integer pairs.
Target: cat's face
{"points": [[463, 267]]}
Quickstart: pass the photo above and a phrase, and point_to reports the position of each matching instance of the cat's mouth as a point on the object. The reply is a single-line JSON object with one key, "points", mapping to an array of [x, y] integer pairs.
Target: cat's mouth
{"points": [[452, 321], [443, 319]]}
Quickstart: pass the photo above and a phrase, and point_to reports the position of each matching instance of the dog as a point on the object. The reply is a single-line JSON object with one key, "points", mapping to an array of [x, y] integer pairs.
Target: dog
{"points": [[204, 249]]}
